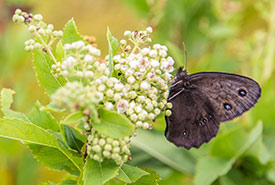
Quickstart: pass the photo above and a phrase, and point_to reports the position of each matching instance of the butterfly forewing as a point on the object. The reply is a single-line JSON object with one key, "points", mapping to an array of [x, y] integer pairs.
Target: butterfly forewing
{"points": [[230, 94]]}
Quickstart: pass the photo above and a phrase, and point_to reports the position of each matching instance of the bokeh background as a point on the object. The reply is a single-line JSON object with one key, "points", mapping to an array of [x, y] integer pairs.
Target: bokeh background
{"points": [[236, 36]]}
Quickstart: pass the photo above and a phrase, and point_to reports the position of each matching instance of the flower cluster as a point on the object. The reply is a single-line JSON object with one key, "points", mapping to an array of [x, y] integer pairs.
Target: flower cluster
{"points": [[100, 146], [136, 83], [39, 29], [81, 62]]}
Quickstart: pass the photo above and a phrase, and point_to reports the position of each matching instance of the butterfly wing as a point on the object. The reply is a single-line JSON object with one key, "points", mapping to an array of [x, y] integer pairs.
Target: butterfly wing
{"points": [[230, 94], [193, 120]]}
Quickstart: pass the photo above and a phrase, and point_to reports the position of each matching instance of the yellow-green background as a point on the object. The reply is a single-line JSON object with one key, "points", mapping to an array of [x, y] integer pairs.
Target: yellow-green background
{"points": [[222, 35]]}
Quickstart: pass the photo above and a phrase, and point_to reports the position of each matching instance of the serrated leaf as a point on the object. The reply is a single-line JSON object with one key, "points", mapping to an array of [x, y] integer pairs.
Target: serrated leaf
{"points": [[130, 174], [59, 52], [70, 33], [151, 179], [29, 133], [6, 101], [42, 66], [97, 173], [53, 158], [113, 124], [74, 117], [42, 118], [73, 137], [209, 168]]}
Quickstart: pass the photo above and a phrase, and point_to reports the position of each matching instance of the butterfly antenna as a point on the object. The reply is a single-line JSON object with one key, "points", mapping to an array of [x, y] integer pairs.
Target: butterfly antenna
{"points": [[185, 54]]}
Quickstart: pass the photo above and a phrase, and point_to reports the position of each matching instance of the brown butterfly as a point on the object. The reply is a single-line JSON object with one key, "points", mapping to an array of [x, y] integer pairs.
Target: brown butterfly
{"points": [[202, 100]]}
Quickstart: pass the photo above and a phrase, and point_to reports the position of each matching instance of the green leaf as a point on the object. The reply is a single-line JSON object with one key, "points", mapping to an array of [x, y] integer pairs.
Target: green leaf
{"points": [[32, 134], [6, 101], [151, 179], [68, 182], [60, 52], [130, 174], [42, 118], [54, 158], [113, 124], [176, 158], [42, 66], [73, 137], [96, 173], [74, 117], [113, 49], [209, 168], [70, 33]]}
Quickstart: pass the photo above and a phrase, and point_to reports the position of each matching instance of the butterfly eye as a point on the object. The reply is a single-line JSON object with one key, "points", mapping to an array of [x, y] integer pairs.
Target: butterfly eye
{"points": [[242, 92], [204, 120], [227, 106], [185, 133], [200, 124]]}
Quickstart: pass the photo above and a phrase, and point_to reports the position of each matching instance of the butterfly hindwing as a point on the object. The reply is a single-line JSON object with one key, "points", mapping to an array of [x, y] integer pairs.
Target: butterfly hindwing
{"points": [[192, 122]]}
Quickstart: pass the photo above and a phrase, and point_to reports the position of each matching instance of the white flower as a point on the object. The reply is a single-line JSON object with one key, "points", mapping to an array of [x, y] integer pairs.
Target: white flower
{"points": [[38, 17], [167, 66], [164, 48], [79, 74], [67, 46], [145, 51], [145, 85], [131, 80], [119, 86], [89, 74], [88, 58], [123, 42], [110, 93], [138, 74], [145, 125], [129, 72], [117, 58], [117, 67], [153, 53], [162, 53], [71, 61], [127, 33], [117, 97], [94, 51], [101, 87], [138, 108], [122, 106], [99, 96], [139, 124], [154, 63], [149, 29], [78, 44], [109, 106], [157, 46], [134, 63]]}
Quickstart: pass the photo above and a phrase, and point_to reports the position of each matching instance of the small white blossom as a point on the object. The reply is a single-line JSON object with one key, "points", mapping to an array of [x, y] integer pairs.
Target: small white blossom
{"points": [[119, 87], [153, 53], [109, 106], [122, 105], [149, 29], [145, 85], [145, 51], [134, 63], [78, 44], [131, 80]]}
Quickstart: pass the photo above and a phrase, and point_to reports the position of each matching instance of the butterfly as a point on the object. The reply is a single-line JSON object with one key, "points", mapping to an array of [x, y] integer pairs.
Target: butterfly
{"points": [[202, 100]]}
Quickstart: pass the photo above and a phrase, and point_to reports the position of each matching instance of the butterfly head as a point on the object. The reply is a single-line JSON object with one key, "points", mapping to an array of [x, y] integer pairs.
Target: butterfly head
{"points": [[181, 74]]}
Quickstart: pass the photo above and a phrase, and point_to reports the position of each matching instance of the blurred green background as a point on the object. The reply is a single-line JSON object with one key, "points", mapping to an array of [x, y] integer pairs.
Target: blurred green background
{"points": [[223, 35]]}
